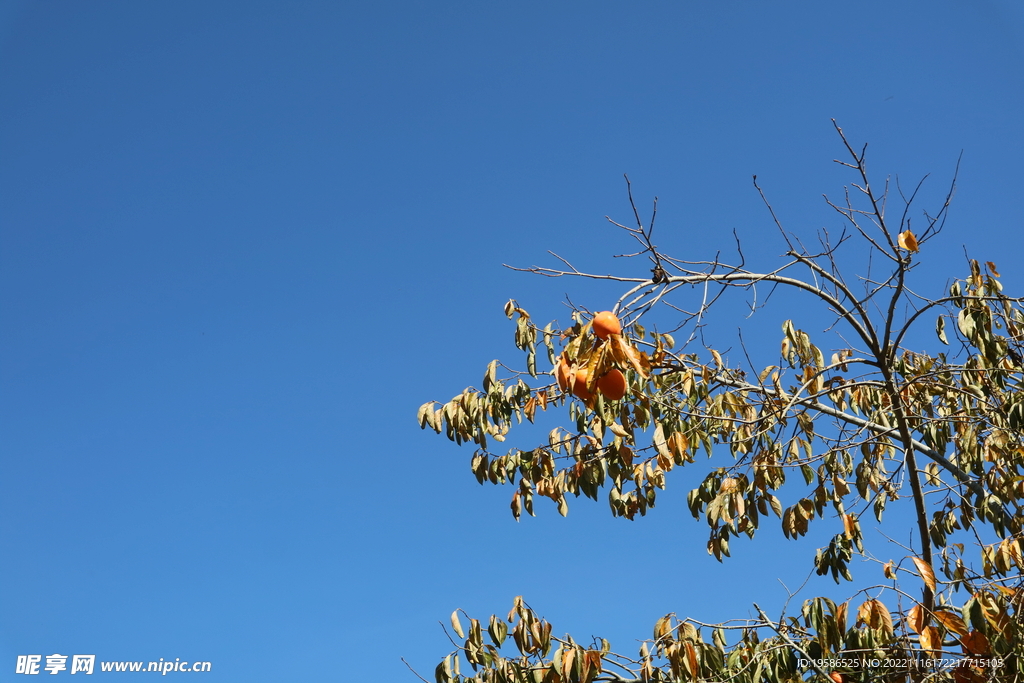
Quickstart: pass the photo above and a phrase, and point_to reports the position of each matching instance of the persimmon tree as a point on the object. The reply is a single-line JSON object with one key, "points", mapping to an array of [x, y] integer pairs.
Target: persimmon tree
{"points": [[851, 418]]}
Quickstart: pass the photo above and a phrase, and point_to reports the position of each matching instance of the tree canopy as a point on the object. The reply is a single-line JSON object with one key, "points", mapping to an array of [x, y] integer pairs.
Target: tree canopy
{"points": [[854, 417]]}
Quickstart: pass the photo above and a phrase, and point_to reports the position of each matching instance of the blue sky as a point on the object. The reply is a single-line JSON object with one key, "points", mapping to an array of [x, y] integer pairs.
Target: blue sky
{"points": [[240, 243]]}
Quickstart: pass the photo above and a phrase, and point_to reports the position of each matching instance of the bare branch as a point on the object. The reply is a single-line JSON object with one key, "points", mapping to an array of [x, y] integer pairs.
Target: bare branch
{"points": [[414, 672]]}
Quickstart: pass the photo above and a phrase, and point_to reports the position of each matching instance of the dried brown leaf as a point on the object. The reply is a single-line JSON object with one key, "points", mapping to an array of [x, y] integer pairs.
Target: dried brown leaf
{"points": [[925, 570]]}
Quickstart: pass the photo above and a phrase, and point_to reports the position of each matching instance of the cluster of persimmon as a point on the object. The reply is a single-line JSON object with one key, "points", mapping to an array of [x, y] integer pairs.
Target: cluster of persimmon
{"points": [[575, 377]]}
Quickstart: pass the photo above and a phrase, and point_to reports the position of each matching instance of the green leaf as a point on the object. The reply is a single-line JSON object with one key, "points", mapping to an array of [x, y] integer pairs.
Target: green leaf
{"points": [[491, 375], [965, 321], [443, 672]]}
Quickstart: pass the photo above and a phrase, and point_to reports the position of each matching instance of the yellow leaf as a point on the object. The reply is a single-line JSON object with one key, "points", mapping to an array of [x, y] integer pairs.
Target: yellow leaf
{"points": [[874, 615], [931, 639], [624, 353], [848, 525], [618, 430], [880, 617], [661, 628], [926, 573], [456, 625], [567, 659], [916, 620], [952, 622], [864, 613], [660, 444], [1008, 592], [975, 643], [585, 667], [530, 408], [678, 443], [907, 241], [691, 658], [729, 485], [841, 616]]}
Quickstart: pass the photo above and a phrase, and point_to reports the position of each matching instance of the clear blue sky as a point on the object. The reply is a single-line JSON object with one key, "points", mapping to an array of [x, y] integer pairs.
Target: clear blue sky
{"points": [[241, 242]]}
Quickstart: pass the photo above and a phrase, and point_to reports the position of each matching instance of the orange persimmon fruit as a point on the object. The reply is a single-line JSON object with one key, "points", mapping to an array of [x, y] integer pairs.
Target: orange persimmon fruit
{"points": [[579, 385], [612, 384], [605, 324], [562, 372]]}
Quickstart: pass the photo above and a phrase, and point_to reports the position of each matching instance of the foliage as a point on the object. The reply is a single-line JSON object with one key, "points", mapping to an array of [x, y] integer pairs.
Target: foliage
{"points": [[863, 424]]}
